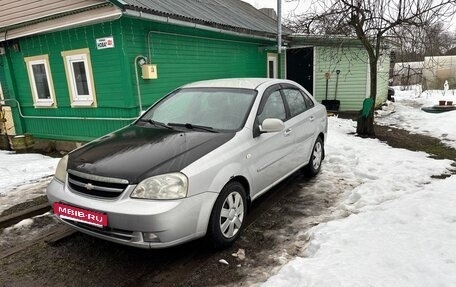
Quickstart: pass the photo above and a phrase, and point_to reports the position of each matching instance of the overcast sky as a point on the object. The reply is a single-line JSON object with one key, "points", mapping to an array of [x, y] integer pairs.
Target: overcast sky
{"points": [[288, 8], [296, 7]]}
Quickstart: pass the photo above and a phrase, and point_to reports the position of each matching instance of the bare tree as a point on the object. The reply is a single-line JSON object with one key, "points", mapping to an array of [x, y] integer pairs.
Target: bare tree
{"points": [[418, 42], [371, 21]]}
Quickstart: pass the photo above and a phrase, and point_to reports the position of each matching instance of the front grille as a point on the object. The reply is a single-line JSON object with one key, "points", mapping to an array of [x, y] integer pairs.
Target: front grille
{"points": [[96, 185]]}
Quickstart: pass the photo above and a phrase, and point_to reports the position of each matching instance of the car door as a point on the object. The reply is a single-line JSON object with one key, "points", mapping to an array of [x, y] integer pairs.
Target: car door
{"points": [[271, 152], [302, 123]]}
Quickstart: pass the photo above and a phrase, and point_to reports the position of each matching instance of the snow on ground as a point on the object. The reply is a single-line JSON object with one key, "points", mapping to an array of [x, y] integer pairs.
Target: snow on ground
{"points": [[23, 177], [394, 225], [406, 113], [401, 230]]}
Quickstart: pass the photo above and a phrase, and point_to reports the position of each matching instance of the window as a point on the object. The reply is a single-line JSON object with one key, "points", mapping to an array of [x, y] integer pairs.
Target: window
{"points": [[295, 100], [273, 108], [40, 79], [80, 79], [310, 104]]}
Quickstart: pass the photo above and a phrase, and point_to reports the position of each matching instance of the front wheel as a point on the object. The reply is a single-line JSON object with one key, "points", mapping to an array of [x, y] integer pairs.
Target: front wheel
{"points": [[228, 215], [316, 157]]}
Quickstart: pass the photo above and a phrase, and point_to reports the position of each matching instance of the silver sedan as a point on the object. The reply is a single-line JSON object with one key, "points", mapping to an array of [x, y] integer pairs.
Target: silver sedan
{"points": [[191, 164]]}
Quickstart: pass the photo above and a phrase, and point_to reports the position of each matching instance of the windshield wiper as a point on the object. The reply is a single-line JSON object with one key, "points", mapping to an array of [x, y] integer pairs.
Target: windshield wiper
{"points": [[157, 124], [193, 127]]}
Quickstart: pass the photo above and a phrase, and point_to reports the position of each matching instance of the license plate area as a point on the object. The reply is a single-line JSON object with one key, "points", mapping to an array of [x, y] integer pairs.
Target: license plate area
{"points": [[86, 216]]}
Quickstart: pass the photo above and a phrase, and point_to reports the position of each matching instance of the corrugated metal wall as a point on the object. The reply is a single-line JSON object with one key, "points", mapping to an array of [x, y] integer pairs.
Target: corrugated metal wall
{"points": [[180, 60]]}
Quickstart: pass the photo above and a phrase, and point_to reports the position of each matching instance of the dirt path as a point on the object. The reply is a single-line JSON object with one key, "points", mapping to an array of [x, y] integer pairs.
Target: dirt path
{"points": [[272, 237]]}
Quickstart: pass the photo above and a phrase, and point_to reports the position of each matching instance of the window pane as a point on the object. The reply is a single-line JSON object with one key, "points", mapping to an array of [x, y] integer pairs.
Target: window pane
{"points": [[80, 77], [271, 69], [41, 81], [220, 108], [295, 101], [273, 108], [309, 102]]}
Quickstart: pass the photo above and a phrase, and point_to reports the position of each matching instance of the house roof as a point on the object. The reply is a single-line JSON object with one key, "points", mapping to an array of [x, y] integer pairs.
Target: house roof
{"points": [[27, 17], [18, 12], [225, 14]]}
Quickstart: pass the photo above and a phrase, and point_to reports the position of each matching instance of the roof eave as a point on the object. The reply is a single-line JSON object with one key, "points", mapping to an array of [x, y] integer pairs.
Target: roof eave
{"points": [[175, 19]]}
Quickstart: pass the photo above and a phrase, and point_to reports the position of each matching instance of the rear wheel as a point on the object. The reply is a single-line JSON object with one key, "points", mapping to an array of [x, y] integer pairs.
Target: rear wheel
{"points": [[228, 215], [314, 165]]}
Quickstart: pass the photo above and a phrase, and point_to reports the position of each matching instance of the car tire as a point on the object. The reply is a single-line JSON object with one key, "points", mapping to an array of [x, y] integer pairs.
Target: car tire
{"points": [[316, 158], [227, 216]]}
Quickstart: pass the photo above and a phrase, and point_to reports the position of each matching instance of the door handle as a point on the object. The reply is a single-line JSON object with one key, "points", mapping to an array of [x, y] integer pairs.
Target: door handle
{"points": [[287, 132], [312, 118]]}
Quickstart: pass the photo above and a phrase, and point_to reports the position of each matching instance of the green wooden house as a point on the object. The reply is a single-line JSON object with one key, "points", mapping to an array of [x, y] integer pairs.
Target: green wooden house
{"points": [[335, 68], [75, 70]]}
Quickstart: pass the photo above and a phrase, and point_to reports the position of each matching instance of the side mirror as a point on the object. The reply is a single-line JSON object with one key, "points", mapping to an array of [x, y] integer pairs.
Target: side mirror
{"points": [[272, 126]]}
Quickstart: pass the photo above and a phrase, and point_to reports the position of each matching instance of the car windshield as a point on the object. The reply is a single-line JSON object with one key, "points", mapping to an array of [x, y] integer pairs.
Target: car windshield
{"points": [[217, 109]]}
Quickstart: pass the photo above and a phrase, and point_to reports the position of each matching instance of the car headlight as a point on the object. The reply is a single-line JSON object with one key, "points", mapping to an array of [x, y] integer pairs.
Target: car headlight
{"points": [[166, 186], [60, 172]]}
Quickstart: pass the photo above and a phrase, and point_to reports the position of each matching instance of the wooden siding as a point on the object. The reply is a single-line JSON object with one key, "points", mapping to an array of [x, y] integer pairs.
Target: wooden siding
{"points": [[382, 79], [182, 54], [185, 55], [353, 86], [352, 79]]}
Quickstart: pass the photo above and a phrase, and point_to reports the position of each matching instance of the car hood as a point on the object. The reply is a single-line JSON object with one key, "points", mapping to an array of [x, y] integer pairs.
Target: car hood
{"points": [[135, 153]]}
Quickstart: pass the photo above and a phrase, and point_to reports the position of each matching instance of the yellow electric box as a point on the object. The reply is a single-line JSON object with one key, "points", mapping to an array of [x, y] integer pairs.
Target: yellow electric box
{"points": [[149, 72]]}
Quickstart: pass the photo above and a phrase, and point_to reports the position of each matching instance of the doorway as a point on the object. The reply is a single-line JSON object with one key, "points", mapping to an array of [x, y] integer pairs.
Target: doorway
{"points": [[300, 67]]}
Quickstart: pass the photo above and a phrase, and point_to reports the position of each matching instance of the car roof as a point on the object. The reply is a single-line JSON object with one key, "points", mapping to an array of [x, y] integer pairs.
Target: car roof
{"points": [[245, 83]]}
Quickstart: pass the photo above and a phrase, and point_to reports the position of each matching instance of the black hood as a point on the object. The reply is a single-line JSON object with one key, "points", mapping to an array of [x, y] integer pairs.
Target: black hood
{"points": [[135, 153]]}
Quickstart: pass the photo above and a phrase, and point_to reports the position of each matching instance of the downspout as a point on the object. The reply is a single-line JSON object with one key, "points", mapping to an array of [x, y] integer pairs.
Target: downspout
{"points": [[138, 89]]}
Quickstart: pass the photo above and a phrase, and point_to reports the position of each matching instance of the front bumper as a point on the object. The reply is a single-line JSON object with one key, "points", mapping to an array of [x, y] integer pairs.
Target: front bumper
{"points": [[130, 221]]}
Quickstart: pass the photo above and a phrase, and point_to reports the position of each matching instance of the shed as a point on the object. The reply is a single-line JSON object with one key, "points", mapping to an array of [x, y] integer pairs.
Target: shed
{"points": [[335, 68], [75, 70]]}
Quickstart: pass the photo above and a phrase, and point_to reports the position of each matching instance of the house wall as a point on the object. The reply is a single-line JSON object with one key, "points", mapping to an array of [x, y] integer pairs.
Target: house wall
{"points": [[352, 63], [182, 54], [354, 80], [383, 67]]}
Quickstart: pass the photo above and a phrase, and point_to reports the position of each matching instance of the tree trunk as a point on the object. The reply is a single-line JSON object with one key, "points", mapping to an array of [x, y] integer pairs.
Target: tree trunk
{"points": [[365, 125]]}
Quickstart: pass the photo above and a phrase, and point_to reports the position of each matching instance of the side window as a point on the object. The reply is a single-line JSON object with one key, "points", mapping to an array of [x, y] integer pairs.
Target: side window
{"points": [[273, 108], [78, 70], [310, 104], [40, 78], [295, 101]]}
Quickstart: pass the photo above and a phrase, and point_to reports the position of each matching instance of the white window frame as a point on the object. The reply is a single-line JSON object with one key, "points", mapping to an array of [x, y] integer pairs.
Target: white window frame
{"points": [[1, 93], [70, 57], [41, 60], [272, 57]]}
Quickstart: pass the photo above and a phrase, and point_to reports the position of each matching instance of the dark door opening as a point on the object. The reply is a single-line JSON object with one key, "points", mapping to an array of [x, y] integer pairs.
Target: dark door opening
{"points": [[300, 64]]}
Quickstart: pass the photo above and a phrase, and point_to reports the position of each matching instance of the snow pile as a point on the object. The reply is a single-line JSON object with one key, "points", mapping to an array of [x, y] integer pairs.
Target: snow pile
{"points": [[406, 114], [407, 242], [401, 230], [18, 169], [23, 177]]}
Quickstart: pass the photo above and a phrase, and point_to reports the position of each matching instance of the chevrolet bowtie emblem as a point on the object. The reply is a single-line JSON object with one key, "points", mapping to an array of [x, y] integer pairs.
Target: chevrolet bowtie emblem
{"points": [[89, 186]]}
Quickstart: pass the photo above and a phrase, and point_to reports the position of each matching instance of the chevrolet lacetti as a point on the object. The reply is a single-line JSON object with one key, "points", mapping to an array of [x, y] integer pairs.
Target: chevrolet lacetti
{"points": [[191, 164]]}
